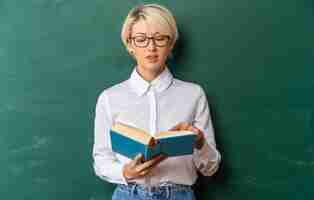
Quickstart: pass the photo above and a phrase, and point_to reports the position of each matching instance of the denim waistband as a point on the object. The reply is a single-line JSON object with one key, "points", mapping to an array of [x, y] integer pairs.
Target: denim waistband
{"points": [[166, 188]]}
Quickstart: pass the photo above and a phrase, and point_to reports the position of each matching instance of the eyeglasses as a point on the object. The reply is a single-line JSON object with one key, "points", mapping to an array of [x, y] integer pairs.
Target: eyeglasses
{"points": [[143, 41]]}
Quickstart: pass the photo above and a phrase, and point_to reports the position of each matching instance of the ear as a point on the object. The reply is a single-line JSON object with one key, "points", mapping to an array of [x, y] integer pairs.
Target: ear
{"points": [[130, 48], [131, 51]]}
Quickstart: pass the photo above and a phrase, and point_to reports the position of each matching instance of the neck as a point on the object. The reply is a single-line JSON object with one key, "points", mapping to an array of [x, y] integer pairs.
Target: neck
{"points": [[149, 75]]}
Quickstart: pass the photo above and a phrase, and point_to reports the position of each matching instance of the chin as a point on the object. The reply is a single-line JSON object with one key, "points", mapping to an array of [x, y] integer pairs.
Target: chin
{"points": [[153, 66]]}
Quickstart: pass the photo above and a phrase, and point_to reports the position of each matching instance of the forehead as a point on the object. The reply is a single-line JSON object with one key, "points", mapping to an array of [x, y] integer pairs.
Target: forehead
{"points": [[149, 27]]}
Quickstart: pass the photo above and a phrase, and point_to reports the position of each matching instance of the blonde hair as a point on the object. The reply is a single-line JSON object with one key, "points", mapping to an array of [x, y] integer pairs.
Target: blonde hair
{"points": [[151, 12]]}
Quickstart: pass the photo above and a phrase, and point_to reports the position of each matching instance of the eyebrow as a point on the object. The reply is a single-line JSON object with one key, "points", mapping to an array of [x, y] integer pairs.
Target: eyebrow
{"points": [[145, 33], [140, 33]]}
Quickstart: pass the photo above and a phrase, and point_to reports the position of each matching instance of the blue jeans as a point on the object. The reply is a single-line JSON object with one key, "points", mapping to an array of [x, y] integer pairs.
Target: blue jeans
{"points": [[134, 191]]}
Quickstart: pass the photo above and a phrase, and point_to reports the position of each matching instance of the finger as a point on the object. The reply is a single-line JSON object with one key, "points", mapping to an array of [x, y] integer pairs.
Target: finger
{"points": [[175, 128], [163, 157], [155, 142], [150, 163], [144, 172], [195, 130], [159, 158], [186, 126], [179, 126], [190, 128], [138, 159], [182, 126], [200, 133], [200, 138]]}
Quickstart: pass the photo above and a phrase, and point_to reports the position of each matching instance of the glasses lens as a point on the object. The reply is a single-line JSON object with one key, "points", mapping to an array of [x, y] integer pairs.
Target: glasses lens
{"points": [[161, 40], [141, 41]]}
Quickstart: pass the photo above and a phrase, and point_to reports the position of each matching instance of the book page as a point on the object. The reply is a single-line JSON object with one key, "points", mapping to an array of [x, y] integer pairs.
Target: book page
{"points": [[133, 132], [165, 134]]}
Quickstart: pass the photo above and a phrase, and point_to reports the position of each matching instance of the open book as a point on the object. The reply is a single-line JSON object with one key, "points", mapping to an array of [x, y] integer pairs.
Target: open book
{"points": [[130, 141]]}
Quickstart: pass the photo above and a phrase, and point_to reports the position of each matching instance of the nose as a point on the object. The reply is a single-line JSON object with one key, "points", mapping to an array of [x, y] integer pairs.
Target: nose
{"points": [[151, 45]]}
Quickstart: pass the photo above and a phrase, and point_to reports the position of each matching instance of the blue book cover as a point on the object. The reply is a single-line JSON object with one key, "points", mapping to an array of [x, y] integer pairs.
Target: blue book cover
{"points": [[130, 141]]}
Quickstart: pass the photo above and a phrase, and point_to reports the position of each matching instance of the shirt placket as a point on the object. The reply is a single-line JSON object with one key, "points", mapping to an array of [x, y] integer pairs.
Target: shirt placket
{"points": [[153, 111], [153, 117]]}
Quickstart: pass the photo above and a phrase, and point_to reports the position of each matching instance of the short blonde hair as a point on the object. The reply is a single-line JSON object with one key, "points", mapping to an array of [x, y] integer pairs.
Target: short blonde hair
{"points": [[152, 12]]}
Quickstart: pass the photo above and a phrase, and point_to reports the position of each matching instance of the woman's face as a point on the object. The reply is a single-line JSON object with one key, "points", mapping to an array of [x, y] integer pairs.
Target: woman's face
{"points": [[153, 56]]}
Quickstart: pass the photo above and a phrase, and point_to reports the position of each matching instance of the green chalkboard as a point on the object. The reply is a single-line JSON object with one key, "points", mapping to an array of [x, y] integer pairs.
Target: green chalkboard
{"points": [[254, 58]]}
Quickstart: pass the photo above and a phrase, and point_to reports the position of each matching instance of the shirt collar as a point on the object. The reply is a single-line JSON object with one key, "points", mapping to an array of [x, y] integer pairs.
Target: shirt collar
{"points": [[160, 83]]}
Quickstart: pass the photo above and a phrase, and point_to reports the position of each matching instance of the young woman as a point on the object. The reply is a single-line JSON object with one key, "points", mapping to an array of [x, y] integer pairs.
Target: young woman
{"points": [[153, 100]]}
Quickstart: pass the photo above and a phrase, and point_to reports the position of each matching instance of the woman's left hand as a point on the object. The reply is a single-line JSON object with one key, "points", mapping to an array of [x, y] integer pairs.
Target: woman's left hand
{"points": [[200, 139]]}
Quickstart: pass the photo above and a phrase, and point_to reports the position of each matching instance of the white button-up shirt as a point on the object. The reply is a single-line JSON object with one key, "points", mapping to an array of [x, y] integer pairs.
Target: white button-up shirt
{"points": [[154, 106]]}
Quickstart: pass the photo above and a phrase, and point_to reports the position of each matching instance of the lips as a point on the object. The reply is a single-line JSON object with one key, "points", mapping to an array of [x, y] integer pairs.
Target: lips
{"points": [[152, 58]]}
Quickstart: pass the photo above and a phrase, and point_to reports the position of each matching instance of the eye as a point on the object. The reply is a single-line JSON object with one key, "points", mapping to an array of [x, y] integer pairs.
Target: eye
{"points": [[140, 39], [161, 37]]}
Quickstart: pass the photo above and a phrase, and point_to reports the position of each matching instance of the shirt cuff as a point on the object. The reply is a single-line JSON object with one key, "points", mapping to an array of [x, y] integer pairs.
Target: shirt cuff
{"points": [[207, 159], [112, 175]]}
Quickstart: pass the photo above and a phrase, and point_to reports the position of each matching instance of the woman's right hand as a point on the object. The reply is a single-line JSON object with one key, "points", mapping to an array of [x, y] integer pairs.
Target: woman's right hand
{"points": [[137, 169]]}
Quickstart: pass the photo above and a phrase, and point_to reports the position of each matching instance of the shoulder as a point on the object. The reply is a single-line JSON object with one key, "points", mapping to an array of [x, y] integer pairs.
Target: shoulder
{"points": [[114, 91], [188, 87]]}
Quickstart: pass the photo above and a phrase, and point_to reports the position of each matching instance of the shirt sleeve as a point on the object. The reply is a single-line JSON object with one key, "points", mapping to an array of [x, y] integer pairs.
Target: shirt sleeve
{"points": [[206, 159], [106, 165]]}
